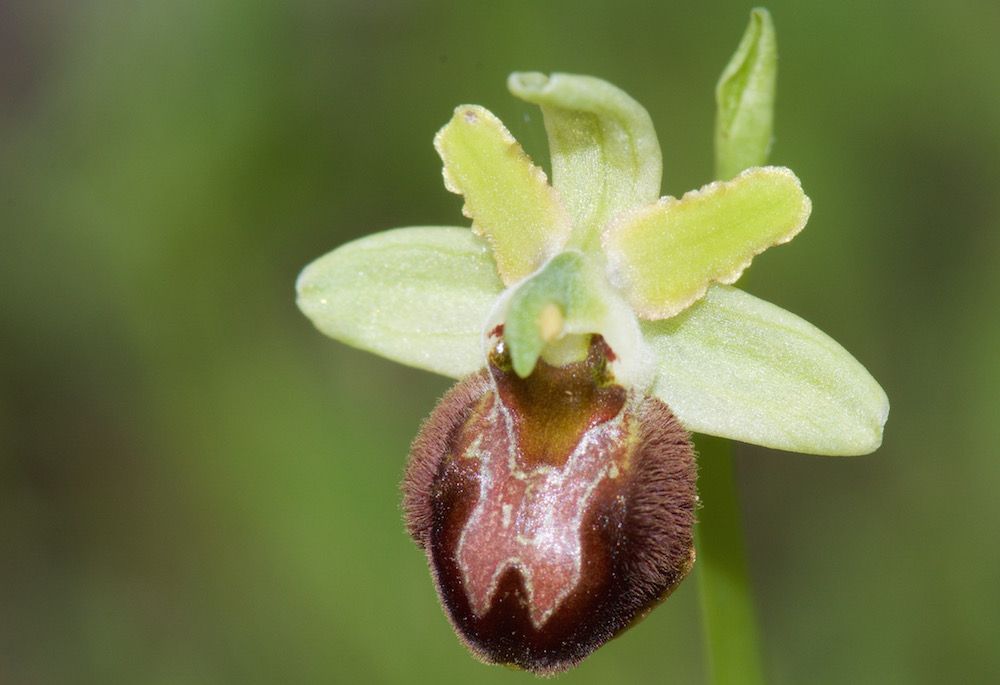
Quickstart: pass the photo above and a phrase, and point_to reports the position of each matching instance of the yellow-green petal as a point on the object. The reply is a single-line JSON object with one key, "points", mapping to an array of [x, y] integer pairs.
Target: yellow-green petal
{"points": [[665, 256], [507, 197], [738, 367], [605, 156], [419, 296]]}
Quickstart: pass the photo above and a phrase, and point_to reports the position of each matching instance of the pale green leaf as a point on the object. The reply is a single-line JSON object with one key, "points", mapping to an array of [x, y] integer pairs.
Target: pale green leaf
{"points": [[508, 198], [664, 256], [419, 296], [605, 156], [744, 99], [739, 367]]}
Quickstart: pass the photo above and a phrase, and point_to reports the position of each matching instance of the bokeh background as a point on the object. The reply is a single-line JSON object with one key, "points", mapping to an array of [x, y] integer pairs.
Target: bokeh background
{"points": [[197, 487]]}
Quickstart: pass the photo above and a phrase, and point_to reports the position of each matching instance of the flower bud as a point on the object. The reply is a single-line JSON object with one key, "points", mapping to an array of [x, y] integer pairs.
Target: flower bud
{"points": [[555, 510]]}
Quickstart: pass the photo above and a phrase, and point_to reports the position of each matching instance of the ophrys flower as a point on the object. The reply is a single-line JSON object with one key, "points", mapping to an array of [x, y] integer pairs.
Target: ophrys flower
{"points": [[592, 325]]}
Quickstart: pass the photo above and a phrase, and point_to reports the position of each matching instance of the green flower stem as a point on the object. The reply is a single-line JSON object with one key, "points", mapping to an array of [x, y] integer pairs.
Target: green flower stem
{"points": [[728, 619], [744, 115]]}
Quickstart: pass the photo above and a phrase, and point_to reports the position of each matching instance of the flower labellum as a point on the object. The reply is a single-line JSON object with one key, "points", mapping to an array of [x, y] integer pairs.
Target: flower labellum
{"points": [[555, 510]]}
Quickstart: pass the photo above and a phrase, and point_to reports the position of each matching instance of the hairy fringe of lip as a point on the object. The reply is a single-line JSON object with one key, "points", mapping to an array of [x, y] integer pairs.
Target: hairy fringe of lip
{"points": [[555, 510]]}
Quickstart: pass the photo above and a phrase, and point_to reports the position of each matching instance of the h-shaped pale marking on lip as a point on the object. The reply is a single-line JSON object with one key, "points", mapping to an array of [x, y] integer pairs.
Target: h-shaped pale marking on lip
{"points": [[533, 522]]}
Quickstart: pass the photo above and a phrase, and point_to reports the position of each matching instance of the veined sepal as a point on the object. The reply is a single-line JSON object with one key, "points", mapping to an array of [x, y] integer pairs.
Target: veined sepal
{"points": [[605, 155], [419, 296], [738, 367]]}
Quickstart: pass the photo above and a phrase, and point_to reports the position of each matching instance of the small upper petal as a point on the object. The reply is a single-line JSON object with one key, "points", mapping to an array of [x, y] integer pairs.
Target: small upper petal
{"points": [[508, 198]]}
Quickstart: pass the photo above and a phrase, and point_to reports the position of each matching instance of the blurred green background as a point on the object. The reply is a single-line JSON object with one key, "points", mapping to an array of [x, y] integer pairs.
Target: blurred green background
{"points": [[197, 487]]}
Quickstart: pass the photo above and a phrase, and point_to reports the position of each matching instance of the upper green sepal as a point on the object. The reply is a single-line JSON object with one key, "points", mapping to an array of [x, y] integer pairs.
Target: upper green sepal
{"points": [[738, 367], [420, 296], [605, 155]]}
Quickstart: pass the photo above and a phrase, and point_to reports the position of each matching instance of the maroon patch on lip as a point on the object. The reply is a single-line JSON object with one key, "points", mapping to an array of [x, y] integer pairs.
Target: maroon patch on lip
{"points": [[543, 546], [555, 406]]}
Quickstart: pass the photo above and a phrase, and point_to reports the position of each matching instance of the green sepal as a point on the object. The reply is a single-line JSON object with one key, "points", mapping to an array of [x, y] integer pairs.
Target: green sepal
{"points": [[419, 296], [605, 155], [738, 367], [744, 99]]}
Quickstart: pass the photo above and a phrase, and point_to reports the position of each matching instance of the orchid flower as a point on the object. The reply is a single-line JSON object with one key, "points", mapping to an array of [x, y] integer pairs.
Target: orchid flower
{"points": [[591, 325]]}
